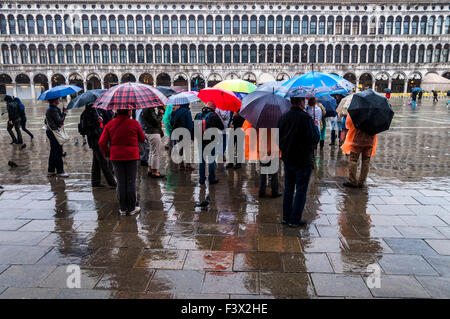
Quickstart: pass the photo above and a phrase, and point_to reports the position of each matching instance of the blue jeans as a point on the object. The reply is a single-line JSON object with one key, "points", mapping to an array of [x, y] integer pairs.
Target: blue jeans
{"points": [[295, 180], [211, 169]]}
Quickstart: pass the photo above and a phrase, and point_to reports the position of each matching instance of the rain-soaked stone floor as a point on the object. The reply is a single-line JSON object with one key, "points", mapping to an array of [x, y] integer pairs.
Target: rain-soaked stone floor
{"points": [[237, 248]]}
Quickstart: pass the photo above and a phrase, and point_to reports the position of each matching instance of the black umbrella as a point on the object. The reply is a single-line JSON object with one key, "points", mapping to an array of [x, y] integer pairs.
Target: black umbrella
{"points": [[329, 103], [370, 112], [167, 91], [387, 90], [84, 99]]}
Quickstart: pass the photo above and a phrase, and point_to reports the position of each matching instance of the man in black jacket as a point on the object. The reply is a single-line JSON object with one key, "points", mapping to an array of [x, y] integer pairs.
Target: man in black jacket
{"points": [[90, 126], [209, 119], [14, 119], [298, 139], [151, 118]]}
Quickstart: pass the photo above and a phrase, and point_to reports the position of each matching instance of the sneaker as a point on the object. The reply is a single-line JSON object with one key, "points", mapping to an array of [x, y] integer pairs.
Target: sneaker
{"points": [[300, 224], [136, 210], [62, 175], [122, 212], [51, 174], [215, 181], [284, 221]]}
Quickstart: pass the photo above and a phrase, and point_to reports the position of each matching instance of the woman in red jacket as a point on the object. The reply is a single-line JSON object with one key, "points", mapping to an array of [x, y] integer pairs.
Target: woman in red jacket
{"points": [[120, 142]]}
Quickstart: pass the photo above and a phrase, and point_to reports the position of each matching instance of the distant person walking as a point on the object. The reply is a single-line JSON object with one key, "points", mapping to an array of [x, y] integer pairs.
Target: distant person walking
{"points": [[151, 119], [181, 117], [54, 119], [358, 143], [120, 142], [91, 126], [236, 123], [23, 117], [419, 96], [435, 96], [317, 112], [14, 119], [299, 136]]}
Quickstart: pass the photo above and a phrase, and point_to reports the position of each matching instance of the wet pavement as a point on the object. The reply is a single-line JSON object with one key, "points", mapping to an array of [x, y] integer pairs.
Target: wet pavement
{"points": [[237, 248]]}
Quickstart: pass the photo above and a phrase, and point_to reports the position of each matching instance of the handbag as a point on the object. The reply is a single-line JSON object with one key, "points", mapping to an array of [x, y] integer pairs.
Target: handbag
{"points": [[61, 135]]}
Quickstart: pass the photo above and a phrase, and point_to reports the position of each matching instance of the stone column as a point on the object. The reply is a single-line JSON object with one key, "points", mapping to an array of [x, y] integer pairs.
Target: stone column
{"points": [[390, 83], [14, 88], [405, 86], [33, 93]]}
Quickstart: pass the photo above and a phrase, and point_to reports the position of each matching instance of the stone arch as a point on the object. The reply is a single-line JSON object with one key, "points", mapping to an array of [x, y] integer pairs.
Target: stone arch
{"points": [[351, 77], [163, 79], [127, 77], [250, 77], [446, 75], [197, 82], [22, 79], [76, 79], [42, 81], [213, 79], [181, 80], [146, 78], [110, 80], [265, 77], [5, 79], [381, 81], [231, 76], [414, 81], [282, 76], [93, 81], [23, 86], [366, 81], [398, 82], [58, 79]]}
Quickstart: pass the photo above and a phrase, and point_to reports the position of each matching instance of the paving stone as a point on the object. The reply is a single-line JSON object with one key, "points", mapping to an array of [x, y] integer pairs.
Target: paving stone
{"points": [[21, 254], [424, 232], [12, 224], [114, 257], [316, 262], [399, 287], [444, 230], [319, 245], [405, 265], [437, 287], [74, 293], [366, 245], [279, 244], [24, 275], [352, 262], [209, 260], [21, 238], [421, 210], [177, 281], [59, 277], [335, 285], [410, 246], [441, 264], [442, 246], [400, 200], [122, 279], [231, 283], [423, 221], [276, 284], [161, 259], [29, 293], [431, 200], [266, 261]]}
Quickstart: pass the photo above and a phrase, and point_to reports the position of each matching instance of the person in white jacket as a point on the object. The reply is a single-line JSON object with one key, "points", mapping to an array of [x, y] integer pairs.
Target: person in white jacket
{"points": [[226, 117]]}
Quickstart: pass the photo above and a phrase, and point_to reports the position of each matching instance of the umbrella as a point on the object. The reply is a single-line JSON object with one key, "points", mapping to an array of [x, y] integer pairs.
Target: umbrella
{"points": [[86, 98], [223, 99], [167, 91], [342, 108], [183, 98], [236, 86], [370, 112], [387, 90], [314, 84], [263, 109], [329, 103], [130, 95], [59, 91], [239, 95], [270, 86], [416, 90]]}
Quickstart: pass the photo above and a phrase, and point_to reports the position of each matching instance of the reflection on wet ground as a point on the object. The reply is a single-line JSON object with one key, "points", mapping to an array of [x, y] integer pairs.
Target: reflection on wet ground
{"points": [[237, 248]]}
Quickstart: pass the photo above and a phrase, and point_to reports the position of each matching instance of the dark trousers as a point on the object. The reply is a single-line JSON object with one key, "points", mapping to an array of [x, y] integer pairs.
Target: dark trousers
{"points": [[16, 125], [435, 98], [100, 164], [55, 160], [23, 124], [263, 181], [296, 180], [211, 168], [126, 172]]}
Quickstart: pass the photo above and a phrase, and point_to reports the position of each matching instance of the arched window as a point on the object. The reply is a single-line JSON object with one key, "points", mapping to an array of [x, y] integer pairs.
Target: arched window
{"points": [[296, 25], [236, 54], [167, 54], [355, 54], [140, 53], [389, 25], [330, 25], [228, 54], [346, 54], [183, 25], [87, 54], [445, 54], [105, 54], [218, 25], [103, 25], [174, 23], [287, 54], [59, 25], [321, 25], [166, 26], [253, 25], [347, 24], [122, 25], [158, 54], [262, 25], [381, 23], [30, 23], [5, 53], [85, 23], [210, 54], [157, 26], [439, 24], [415, 25], [244, 53], [123, 54], [3, 28], [329, 53], [312, 53], [279, 25], [337, 54], [321, 53], [431, 25], [227, 25], [12, 24], [364, 25], [192, 24], [447, 25], [423, 25], [437, 53], [412, 54], [33, 54], [201, 53], [130, 24], [78, 54], [184, 53], [21, 24], [112, 25], [313, 25], [355, 25], [69, 54], [363, 54], [253, 54], [396, 55], [61, 55], [219, 54], [371, 57], [287, 25], [305, 23], [43, 54], [270, 53], [49, 22], [262, 53], [51, 54], [148, 53], [236, 23], [278, 53], [244, 24], [192, 53], [380, 54], [421, 53], [387, 54], [23, 54], [175, 54], [148, 24], [40, 24], [139, 25], [94, 25], [296, 53], [209, 25], [270, 25], [406, 25], [304, 56], [200, 25], [404, 58], [96, 51], [429, 53]]}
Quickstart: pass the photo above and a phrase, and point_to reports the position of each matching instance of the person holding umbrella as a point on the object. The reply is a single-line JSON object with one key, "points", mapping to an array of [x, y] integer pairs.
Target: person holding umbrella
{"points": [[121, 137]]}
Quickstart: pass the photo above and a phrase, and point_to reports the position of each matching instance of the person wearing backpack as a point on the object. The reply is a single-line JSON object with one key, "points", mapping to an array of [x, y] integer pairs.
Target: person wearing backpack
{"points": [[181, 117], [14, 119], [90, 125], [209, 119], [23, 118]]}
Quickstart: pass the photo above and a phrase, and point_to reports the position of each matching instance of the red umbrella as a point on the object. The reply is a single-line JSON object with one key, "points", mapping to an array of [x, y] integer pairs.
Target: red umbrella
{"points": [[223, 99], [130, 95]]}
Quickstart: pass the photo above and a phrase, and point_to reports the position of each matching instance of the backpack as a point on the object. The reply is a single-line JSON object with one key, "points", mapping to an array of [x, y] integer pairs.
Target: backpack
{"points": [[203, 116], [82, 127]]}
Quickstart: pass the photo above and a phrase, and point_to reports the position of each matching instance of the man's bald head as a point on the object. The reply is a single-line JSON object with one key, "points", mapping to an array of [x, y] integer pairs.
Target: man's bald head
{"points": [[211, 105]]}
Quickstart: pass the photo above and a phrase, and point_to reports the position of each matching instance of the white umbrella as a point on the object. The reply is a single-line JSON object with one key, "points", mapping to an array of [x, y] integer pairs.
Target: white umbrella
{"points": [[433, 81]]}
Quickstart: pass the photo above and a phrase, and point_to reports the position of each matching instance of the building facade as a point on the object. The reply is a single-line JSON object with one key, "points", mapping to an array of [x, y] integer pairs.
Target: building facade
{"points": [[97, 44]]}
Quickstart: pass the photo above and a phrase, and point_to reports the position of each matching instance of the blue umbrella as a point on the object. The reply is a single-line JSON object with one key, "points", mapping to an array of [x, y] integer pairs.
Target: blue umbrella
{"points": [[329, 103], [86, 98], [270, 86], [240, 95], [59, 91], [263, 109], [416, 89], [314, 84]]}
